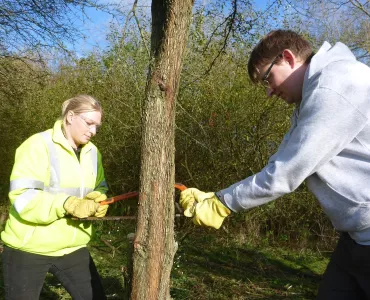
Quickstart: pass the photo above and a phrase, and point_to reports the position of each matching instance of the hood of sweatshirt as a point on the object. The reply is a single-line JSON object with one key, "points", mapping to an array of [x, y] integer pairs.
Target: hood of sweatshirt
{"points": [[328, 54]]}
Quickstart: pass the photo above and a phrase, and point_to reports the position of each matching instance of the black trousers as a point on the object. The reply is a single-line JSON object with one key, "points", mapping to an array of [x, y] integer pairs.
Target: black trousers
{"points": [[347, 276], [24, 274]]}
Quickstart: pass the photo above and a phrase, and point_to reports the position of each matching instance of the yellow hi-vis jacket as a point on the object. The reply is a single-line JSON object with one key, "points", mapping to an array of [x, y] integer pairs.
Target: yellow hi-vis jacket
{"points": [[45, 173]]}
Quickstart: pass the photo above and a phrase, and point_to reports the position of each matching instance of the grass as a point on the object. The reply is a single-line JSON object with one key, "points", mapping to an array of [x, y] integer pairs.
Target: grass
{"points": [[209, 264]]}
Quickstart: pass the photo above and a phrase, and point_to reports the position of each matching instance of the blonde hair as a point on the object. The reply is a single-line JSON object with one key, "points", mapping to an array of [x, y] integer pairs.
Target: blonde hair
{"points": [[80, 104]]}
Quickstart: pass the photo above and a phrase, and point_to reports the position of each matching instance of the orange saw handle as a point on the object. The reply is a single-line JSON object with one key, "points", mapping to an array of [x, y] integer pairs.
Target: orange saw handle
{"points": [[111, 200], [180, 186], [119, 198]]}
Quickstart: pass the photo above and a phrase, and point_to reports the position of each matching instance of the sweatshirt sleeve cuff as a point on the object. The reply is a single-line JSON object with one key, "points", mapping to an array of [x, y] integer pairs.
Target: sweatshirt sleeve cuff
{"points": [[220, 197]]}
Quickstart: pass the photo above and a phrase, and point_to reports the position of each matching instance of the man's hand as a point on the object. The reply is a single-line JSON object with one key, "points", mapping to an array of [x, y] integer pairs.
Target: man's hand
{"points": [[80, 208], [205, 208], [98, 197]]}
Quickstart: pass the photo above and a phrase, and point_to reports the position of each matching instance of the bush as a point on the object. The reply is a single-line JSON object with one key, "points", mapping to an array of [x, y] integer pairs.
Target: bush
{"points": [[226, 129]]}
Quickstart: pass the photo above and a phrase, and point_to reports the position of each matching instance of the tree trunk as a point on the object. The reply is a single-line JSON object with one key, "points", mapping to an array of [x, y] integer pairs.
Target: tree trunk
{"points": [[154, 246]]}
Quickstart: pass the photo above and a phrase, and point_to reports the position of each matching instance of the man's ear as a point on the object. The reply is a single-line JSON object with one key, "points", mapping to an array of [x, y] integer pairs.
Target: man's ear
{"points": [[289, 57]]}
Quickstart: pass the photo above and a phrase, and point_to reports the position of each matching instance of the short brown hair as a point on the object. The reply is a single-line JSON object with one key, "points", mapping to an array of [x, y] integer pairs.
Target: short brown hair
{"points": [[272, 44]]}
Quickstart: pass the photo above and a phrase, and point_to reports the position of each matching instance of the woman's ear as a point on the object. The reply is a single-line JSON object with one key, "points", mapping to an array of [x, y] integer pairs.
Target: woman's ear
{"points": [[70, 115]]}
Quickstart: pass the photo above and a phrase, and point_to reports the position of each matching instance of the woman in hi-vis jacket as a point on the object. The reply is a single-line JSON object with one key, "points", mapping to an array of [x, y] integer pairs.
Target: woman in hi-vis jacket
{"points": [[57, 174]]}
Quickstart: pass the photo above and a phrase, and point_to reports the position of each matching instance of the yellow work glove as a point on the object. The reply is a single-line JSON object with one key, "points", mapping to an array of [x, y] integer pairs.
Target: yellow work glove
{"points": [[80, 208], [98, 197], [205, 208]]}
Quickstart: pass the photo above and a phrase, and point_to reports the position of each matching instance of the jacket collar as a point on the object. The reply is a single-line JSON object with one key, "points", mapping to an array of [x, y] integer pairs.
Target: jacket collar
{"points": [[58, 137]]}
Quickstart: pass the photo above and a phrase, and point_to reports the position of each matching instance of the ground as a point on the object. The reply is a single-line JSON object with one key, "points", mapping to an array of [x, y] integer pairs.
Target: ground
{"points": [[209, 264]]}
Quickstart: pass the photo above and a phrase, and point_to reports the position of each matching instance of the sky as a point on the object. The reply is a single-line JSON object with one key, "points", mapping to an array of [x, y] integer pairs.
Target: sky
{"points": [[96, 27]]}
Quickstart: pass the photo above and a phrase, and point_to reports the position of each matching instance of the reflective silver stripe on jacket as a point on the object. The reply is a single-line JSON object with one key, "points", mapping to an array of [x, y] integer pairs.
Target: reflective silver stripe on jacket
{"points": [[94, 160], [23, 183], [24, 199], [54, 187], [54, 164]]}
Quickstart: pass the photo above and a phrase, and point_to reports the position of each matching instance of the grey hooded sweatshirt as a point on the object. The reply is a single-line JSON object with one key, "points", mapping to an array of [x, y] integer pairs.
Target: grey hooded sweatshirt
{"points": [[328, 145]]}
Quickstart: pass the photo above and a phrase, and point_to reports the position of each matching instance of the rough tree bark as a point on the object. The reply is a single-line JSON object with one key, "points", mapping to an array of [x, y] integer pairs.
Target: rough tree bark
{"points": [[154, 246]]}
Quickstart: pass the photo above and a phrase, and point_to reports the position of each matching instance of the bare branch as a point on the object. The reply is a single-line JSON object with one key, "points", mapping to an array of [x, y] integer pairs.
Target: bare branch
{"points": [[25, 25], [230, 20], [360, 6], [138, 25]]}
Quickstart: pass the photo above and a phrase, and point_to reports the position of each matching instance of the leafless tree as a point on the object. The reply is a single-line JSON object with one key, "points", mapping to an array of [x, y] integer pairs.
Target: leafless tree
{"points": [[29, 28]]}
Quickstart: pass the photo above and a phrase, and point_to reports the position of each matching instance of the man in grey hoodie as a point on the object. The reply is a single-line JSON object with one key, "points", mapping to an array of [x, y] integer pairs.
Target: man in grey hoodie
{"points": [[328, 146]]}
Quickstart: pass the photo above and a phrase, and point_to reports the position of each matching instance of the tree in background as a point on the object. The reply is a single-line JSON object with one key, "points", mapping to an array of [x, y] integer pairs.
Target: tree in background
{"points": [[335, 20], [30, 28]]}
